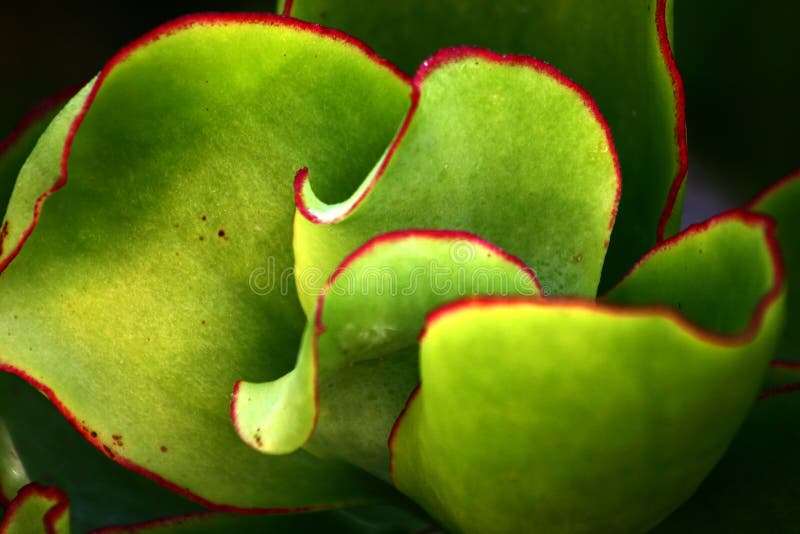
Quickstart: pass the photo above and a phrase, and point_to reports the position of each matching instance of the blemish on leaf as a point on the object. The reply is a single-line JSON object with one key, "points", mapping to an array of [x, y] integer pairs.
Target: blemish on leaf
{"points": [[203, 217], [117, 440], [203, 321], [94, 434], [221, 232], [201, 238], [108, 450], [257, 437], [163, 448]]}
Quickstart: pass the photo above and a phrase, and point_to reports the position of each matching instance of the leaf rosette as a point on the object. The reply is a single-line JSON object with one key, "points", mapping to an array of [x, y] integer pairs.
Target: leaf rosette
{"points": [[264, 268]]}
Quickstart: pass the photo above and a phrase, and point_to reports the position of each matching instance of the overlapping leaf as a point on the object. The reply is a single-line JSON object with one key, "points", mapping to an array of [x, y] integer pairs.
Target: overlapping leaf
{"points": [[503, 147], [358, 361], [781, 203], [16, 147], [569, 416], [37, 510], [131, 299], [757, 483], [50, 452], [618, 50]]}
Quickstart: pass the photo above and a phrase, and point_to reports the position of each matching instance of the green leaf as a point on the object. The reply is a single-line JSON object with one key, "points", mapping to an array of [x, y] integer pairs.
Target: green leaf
{"points": [[12, 471], [37, 510], [618, 50], [16, 147], [133, 299], [781, 373], [694, 273], [38, 177], [52, 453], [502, 147], [358, 361], [564, 415], [371, 520], [781, 202], [756, 486]]}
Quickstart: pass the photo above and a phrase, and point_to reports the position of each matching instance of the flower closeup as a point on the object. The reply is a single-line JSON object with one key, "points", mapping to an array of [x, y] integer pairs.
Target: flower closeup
{"points": [[398, 267]]}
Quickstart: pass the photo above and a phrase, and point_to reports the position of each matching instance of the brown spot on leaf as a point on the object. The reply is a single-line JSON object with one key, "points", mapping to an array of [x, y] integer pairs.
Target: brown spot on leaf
{"points": [[163, 448], [117, 440], [94, 434], [108, 450], [257, 437], [203, 217], [221, 232], [201, 238]]}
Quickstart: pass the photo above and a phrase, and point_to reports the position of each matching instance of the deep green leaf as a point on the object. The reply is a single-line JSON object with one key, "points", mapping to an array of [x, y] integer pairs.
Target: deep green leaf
{"points": [[371, 520]]}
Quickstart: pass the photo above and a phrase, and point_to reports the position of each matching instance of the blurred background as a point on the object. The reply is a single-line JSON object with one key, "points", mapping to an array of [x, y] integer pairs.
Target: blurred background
{"points": [[740, 62]]}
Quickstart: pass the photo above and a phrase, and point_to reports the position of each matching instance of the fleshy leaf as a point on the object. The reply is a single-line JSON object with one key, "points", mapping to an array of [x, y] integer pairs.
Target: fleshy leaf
{"points": [[618, 50], [781, 203], [12, 471], [132, 300], [501, 146], [694, 273], [781, 373], [16, 147], [563, 415], [372, 520], [37, 510], [40, 175], [756, 486], [52, 453], [358, 361]]}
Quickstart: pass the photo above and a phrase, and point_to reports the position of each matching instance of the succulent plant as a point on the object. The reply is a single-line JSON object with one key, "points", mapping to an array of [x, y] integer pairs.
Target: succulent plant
{"points": [[267, 281]]}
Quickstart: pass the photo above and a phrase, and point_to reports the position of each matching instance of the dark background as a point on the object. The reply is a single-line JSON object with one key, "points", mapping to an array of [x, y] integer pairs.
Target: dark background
{"points": [[740, 62]]}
